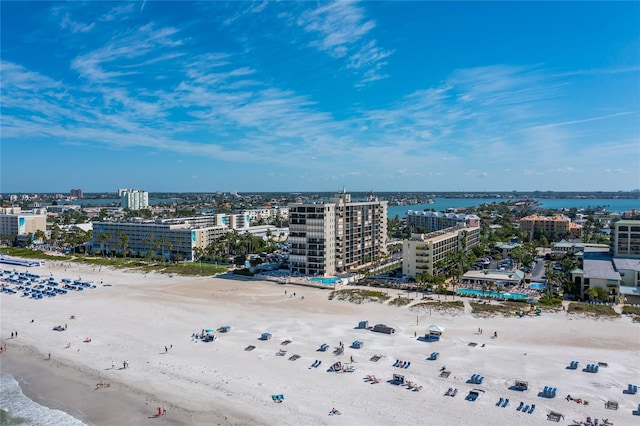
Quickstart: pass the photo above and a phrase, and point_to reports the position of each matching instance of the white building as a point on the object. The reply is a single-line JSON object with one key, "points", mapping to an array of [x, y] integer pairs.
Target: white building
{"points": [[133, 199]]}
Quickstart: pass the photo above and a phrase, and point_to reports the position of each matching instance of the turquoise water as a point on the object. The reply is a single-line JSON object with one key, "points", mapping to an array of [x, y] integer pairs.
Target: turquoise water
{"points": [[538, 286], [325, 281], [514, 296], [441, 204], [17, 409]]}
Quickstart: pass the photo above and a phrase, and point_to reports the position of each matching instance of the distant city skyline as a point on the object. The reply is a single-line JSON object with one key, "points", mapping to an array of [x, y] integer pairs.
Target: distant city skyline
{"points": [[313, 96]]}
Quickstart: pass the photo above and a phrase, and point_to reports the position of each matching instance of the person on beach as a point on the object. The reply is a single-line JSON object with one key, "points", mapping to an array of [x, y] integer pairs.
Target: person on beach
{"points": [[49, 355], [113, 365], [166, 349], [164, 409]]}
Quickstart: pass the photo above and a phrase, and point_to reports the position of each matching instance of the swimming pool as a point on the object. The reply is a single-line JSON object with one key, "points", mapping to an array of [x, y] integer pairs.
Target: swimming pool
{"points": [[512, 296], [538, 286], [325, 281]]}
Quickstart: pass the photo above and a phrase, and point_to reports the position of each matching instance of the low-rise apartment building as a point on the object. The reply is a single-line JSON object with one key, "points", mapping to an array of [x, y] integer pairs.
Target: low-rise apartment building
{"points": [[553, 228], [422, 251], [430, 221]]}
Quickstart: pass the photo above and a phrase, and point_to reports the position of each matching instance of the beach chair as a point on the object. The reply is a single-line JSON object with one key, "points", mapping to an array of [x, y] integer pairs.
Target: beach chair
{"points": [[631, 389], [449, 392], [520, 406], [505, 403], [636, 412], [526, 408], [455, 392], [500, 402], [407, 364], [472, 396], [533, 407], [397, 363], [323, 347]]}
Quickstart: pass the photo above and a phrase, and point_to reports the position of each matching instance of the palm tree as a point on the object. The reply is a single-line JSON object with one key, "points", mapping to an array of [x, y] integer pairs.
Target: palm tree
{"points": [[104, 237]]}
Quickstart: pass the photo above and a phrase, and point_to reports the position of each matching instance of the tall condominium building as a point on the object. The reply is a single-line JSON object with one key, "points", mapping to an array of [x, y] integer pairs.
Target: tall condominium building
{"points": [[422, 251], [77, 193], [625, 238], [336, 236], [554, 228], [429, 221], [134, 199]]}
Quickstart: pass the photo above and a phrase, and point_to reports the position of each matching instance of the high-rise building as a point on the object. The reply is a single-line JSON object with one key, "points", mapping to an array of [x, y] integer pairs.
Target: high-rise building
{"points": [[134, 199], [336, 236], [76, 193], [625, 238]]}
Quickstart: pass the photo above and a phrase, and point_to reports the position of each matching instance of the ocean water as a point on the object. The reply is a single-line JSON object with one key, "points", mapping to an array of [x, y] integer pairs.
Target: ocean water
{"points": [[17, 409], [442, 204]]}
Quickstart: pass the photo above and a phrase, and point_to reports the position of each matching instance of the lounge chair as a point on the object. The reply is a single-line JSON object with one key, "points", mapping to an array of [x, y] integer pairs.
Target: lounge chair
{"points": [[533, 407], [472, 396], [407, 364], [526, 408], [500, 402], [397, 363], [520, 406], [505, 403]]}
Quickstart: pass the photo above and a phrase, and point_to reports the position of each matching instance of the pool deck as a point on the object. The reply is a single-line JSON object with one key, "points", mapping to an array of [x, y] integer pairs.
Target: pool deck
{"points": [[301, 281]]}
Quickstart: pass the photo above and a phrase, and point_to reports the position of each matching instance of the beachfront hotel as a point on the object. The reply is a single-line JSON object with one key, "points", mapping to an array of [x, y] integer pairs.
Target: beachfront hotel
{"points": [[336, 236], [422, 251], [21, 225], [176, 238]]}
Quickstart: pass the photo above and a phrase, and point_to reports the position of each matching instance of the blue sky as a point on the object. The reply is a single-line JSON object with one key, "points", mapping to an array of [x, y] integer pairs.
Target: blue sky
{"points": [[314, 96]]}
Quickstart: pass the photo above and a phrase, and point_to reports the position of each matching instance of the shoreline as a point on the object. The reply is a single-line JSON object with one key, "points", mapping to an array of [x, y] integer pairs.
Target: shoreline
{"points": [[57, 385]]}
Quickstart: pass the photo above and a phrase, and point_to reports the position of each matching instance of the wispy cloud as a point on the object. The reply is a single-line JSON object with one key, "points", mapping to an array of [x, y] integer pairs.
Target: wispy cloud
{"points": [[343, 31]]}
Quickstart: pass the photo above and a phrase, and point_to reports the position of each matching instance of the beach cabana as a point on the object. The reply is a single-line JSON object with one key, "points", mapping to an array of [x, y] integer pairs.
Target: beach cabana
{"points": [[363, 324], [357, 344], [434, 333], [265, 336], [381, 328]]}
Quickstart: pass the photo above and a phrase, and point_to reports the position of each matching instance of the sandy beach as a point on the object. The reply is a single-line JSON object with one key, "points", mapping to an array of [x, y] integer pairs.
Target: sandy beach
{"points": [[133, 317]]}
